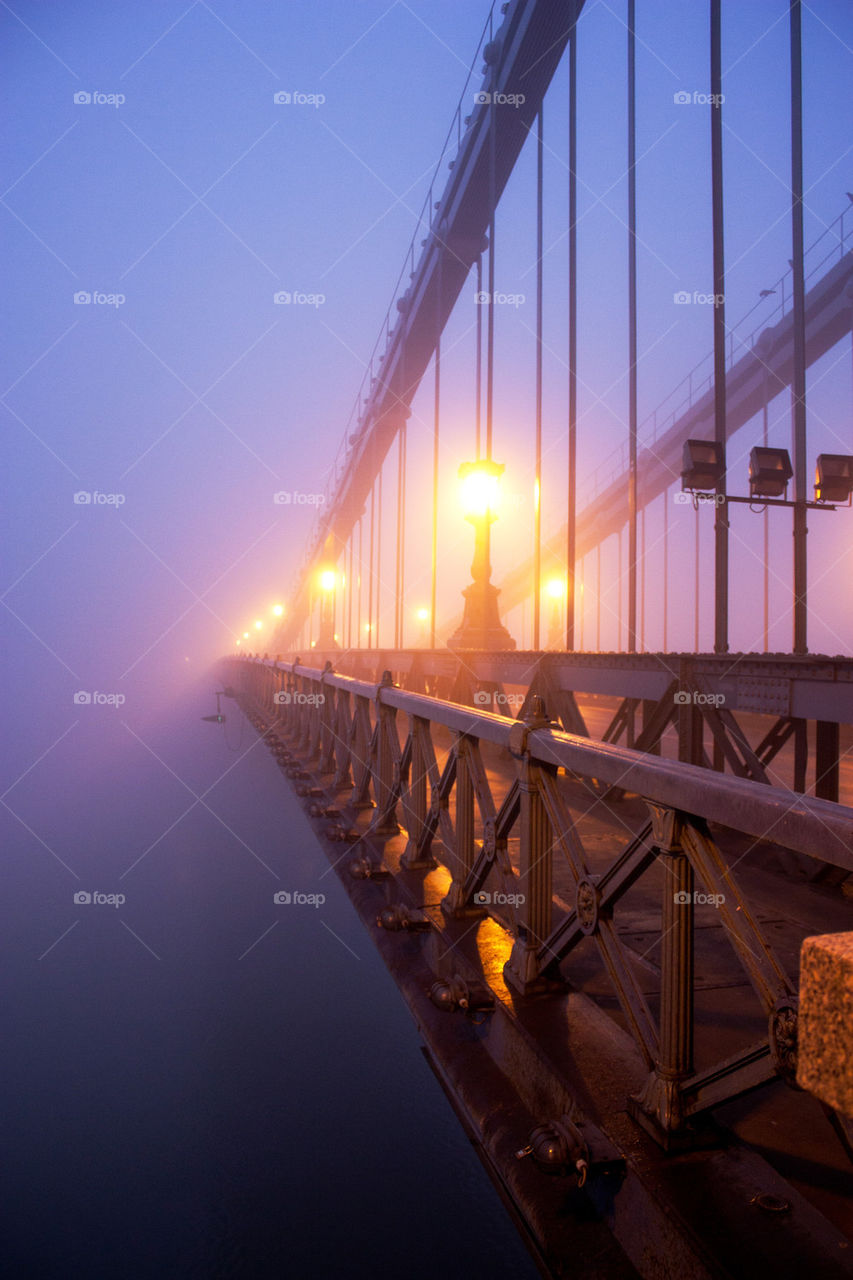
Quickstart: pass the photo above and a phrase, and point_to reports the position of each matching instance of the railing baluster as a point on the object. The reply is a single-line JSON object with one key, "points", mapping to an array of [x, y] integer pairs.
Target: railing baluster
{"points": [[659, 1106], [535, 870], [387, 780], [416, 856], [454, 903]]}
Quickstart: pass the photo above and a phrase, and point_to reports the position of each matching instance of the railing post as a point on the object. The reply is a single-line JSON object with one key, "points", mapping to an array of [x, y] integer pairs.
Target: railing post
{"points": [[454, 903], [303, 714], [658, 1107], [327, 723], [387, 783], [689, 718], [314, 720], [343, 777], [535, 873], [360, 798], [416, 855]]}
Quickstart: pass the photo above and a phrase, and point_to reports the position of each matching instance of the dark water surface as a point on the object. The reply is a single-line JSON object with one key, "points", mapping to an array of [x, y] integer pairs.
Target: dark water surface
{"points": [[199, 1082]]}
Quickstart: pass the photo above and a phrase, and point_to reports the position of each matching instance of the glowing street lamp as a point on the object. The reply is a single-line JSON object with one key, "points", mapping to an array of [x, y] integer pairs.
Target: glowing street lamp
{"points": [[328, 581], [245, 635], [258, 624], [278, 610], [555, 590], [481, 627]]}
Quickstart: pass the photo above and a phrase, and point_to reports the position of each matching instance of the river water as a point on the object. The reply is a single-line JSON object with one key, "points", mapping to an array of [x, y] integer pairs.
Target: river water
{"points": [[198, 1081]]}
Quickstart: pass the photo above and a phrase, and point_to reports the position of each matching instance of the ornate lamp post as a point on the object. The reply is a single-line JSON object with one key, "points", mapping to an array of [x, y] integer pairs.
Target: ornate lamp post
{"points": [[481, 627]]}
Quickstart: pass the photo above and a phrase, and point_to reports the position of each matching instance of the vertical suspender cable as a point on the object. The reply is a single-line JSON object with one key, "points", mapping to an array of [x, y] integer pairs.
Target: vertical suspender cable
{"points": [[643, 580], [490, 324], [598, 599], [359, 636], [537, 493], [435, 426], [349, 593], [370, 569], [765, 414], [378, 554], [398, 586], [620, 593], [721, 524], [479, 366], [404, 449], [573, 343], [696, 584], [632, 340], [798, 381], [665, 567]]}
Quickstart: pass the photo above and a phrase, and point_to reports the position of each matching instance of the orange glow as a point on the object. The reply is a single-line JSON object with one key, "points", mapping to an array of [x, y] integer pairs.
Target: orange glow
{"points": [[479, 489], [278, 610], [327, 580]]}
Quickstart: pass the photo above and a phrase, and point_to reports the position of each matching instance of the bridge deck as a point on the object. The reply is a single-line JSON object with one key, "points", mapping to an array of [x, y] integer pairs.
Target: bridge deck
{"points": [[711, 1209]]}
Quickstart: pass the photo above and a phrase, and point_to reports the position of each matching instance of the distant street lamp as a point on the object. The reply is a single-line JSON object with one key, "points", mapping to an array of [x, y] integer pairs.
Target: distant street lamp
{"points": [[422, 616], [278, 610], [555, 589], [481, 626], [328, 582]]}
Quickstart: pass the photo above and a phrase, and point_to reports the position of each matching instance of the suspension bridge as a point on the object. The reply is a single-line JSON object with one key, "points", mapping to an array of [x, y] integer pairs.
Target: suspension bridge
{"points": [[613, 887]]}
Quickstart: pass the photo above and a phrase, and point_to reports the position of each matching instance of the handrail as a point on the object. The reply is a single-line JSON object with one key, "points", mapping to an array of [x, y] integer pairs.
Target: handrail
{"points": [[347, 730], [787, 819]]}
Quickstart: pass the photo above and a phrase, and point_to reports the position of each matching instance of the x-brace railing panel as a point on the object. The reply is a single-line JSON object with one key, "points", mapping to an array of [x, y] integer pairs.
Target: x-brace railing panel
{"points": [[682, 800]]}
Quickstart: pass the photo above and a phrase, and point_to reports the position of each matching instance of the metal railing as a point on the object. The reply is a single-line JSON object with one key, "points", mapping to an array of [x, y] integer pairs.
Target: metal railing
{"points": [[348, 731]]}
